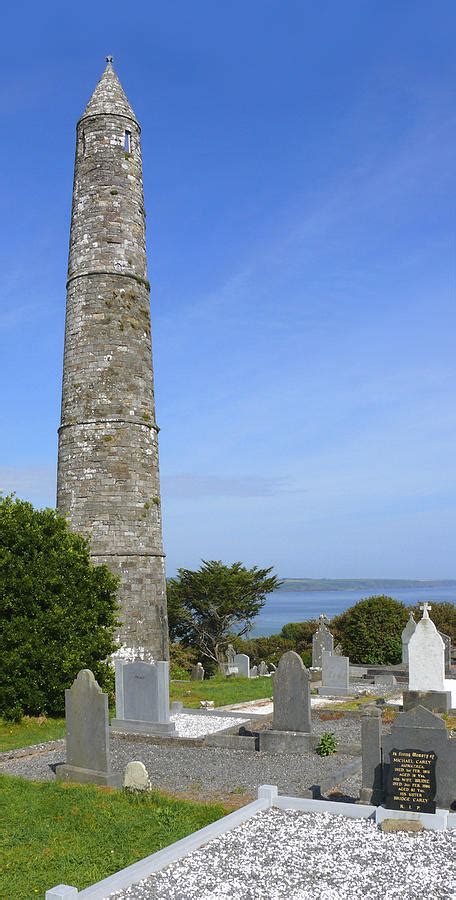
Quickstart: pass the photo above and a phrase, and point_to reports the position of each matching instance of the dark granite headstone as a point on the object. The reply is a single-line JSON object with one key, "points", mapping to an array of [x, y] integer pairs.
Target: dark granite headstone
{"points": [[424, 734], [411, 782]]}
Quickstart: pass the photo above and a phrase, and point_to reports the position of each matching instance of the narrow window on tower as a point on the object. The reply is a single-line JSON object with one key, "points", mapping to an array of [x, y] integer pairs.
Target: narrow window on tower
{"points": [[127, 142], [83, 143]]}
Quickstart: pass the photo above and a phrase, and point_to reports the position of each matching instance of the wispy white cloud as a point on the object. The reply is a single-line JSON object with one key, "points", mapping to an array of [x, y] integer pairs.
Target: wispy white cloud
{"points": [[190, 487], [35, 482]]}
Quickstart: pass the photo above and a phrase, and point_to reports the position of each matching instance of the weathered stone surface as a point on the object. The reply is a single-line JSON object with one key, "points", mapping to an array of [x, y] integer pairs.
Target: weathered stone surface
{"points": [[387, 679], [371, 755], [87, 733], [406, 635], [286, 741], [197, 673], [322, 640], [230, 742], [136, 777], [412, 826], [334, 674], [142, 698], [447, 652], [263, 668], [291, 695], [433, 700], [108, 478], [254, 672], [242, 661]]}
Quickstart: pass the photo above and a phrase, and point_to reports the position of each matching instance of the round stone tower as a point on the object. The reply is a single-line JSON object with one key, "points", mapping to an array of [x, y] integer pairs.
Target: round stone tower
{"points": [[108, 478]]}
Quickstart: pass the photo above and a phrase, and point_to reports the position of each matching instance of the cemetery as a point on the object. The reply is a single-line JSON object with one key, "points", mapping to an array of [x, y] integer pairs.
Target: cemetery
{"points": [[152, 747], [391, 770]]}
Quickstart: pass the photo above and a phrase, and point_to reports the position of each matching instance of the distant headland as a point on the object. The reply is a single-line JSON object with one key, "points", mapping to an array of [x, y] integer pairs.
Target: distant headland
{"points": [[372, 585]]}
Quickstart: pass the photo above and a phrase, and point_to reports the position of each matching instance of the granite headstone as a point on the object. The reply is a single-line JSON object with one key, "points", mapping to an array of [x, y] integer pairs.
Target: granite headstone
{"points": [[142, 698], [334, 675], [242, 661], [197, 672], [406, 635], [87, 734], [322, 640], [419, 762], [291, 695]]}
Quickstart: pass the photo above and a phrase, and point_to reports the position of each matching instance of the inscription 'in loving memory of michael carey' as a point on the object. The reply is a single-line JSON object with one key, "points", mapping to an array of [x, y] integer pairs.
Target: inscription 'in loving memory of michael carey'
{"points": [[411, 782]]}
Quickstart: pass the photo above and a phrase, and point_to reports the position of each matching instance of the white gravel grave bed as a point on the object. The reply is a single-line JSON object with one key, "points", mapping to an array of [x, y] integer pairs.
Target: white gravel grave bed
{"points": [[308, 856], [193, 726]]}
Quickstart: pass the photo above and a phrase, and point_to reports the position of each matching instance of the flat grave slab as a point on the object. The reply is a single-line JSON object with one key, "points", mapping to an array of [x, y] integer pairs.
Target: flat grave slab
{"points": [[283, 853], [198, 725]]}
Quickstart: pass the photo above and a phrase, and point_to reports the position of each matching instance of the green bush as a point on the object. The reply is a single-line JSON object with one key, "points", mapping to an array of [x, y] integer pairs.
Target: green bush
{"points": [[181, 659], [443, 615], [370, 631], [301, 633], [57, 611], [327, 745], [269, 649]]}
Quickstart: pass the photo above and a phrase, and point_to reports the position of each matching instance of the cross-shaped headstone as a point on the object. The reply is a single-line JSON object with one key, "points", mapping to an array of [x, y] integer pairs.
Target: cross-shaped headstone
{"points": [[109, 59], [425, 609]]}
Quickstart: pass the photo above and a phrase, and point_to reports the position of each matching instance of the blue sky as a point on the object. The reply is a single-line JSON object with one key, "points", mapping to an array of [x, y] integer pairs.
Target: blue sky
{"points": [[299, 180]]}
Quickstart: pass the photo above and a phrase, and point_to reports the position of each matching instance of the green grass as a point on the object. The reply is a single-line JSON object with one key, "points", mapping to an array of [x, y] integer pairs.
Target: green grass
{"points": [[79, 834], [354, 704], [30, 731], [223, 691]]}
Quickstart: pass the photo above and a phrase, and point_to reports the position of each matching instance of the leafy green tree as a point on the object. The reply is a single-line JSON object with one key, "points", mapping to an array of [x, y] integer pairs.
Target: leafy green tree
{"points": [[370, 631], [268, 648], [443, 615], [301, 633], [208, 606], [181, 660], [57, 610]]}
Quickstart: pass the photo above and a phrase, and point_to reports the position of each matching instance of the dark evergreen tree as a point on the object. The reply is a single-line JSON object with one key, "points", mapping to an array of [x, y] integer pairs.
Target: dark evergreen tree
{"points": [[208, 606], [57, 610]]}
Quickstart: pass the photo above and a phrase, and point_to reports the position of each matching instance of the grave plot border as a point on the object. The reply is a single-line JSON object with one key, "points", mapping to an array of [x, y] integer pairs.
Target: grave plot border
{"points": [[204, 740], [268, 796]]}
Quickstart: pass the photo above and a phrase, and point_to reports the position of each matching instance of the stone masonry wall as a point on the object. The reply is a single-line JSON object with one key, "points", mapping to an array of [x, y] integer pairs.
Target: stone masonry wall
{"points": [[108, 475]]}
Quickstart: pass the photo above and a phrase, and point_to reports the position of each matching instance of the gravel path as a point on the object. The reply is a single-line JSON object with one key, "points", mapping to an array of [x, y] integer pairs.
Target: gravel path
{"points": [[197, 726], [203, 771], [289, 854]]}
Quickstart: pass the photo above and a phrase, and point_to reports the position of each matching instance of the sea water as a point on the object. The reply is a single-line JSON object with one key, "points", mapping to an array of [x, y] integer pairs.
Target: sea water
{"points": [[295, 606]]}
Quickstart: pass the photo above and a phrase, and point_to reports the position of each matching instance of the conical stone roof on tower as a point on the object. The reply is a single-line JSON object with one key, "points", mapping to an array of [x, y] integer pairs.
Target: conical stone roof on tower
{"points": [[109, 96], [108, 477]]}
